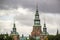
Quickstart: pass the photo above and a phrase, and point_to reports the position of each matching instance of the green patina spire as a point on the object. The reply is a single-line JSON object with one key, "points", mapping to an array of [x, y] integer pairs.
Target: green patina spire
{"points": [[14, 27], [44, 28], [37, 20]]}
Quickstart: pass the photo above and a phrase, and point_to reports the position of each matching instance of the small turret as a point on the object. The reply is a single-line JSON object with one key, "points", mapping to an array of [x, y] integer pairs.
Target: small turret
{"points": [[14, 32], [44, 29], [14, 28]]}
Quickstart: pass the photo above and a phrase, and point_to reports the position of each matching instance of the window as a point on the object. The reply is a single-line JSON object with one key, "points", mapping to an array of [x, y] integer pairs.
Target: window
{"points": [[37, 22], [37, 16]]}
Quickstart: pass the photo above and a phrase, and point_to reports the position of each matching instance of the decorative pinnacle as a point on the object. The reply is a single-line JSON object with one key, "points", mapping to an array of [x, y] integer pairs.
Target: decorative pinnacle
{"points": [[44, 23], [14, 22], [36, 7]]}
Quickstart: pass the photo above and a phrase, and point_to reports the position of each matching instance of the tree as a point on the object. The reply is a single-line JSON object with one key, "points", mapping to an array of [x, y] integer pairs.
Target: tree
{"points": [[54, 37]]}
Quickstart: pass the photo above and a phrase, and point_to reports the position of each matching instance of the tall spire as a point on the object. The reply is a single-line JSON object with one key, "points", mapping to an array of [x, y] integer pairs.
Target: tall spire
{"points": [[36, 20], [36, 27]]}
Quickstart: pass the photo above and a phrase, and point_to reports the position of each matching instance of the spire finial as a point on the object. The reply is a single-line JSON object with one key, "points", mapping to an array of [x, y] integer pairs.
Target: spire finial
{"points": [[36, 6], [14, 21], [44, 22], [57, 32]]}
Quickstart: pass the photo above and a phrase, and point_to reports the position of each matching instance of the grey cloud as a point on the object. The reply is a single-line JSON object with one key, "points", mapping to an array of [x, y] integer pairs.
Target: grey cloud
{"points": [[25, 19], [44, 5], [52, 20], [29, 19]]}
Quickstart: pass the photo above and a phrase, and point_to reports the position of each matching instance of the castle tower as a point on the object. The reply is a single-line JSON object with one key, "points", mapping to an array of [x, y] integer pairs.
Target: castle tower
{"points": [[45, 33], [37, 26], [14, 33], [44, 29], [37, 33], [14, 28]]}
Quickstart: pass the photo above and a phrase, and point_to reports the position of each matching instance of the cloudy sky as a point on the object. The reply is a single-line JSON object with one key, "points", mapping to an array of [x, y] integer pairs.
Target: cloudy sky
{"points": [[23, 12]]}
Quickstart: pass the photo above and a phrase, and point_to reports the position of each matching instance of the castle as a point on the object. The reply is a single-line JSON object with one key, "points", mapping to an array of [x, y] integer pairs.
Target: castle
{"points": [[37, 33]]}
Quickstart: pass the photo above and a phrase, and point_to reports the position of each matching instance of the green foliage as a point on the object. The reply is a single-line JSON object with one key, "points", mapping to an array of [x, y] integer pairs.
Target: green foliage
{"points": [[5, 37], [54, 37], [31, 38]]}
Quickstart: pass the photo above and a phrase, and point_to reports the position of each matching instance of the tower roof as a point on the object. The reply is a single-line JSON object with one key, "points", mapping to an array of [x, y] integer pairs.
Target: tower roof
{"points": [[37, 20]]}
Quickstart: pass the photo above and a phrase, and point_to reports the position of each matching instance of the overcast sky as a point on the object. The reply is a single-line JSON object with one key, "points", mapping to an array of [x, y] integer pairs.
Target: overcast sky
{"points": [[23, 12]]}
